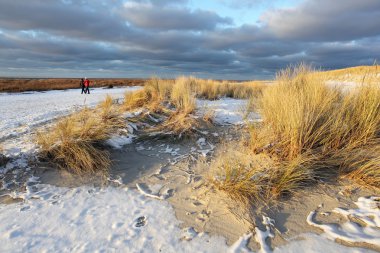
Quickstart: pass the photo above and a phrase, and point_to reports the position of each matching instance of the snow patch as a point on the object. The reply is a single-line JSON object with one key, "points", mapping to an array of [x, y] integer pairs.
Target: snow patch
{"points": [[148, 192], [227, 110], [368, 212], [21, 113], [261, 236], [313, 243], [85, 219], [240, 245], [118, 141]]}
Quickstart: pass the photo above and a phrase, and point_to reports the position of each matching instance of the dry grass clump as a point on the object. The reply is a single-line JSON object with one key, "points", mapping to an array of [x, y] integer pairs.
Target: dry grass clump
{"points": [[303, 115], [362, 165], [74, 143], [172, 101], [246, 90], [296, 111], [211, 89], [259, 178], [288, 177], [182, 95], [155, 92], [240, 175], [135, 99], [110, 114], [180, 121], [370, 74], [180, 124], [159, 93], [311, 132], [356, 121]]}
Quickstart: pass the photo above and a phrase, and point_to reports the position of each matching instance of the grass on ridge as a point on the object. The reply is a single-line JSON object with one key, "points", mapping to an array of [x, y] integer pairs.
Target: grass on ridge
{"points": [[311, 132], [74, 142], [174, 100]]}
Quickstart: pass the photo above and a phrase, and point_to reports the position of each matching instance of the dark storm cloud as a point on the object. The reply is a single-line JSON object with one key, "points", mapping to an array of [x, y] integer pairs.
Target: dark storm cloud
{"points": [[146, 15], [167, 38], [325, 20], [76, 19]]}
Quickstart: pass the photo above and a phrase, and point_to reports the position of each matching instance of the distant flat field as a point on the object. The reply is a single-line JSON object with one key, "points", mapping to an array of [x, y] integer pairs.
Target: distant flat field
{"points": [[42, 84]]}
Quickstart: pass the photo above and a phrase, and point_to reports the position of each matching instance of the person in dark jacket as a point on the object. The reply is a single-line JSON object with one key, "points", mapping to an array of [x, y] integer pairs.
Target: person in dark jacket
{"points": [[82, 85], [87, 85]]}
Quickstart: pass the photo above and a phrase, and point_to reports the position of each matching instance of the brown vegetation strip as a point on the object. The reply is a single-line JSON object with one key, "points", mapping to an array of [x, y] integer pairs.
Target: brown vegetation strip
{"points": [[34, 84]]}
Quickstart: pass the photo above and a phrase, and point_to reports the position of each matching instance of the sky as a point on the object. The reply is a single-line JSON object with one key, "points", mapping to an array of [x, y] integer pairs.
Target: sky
{"points": [[218, 39]]}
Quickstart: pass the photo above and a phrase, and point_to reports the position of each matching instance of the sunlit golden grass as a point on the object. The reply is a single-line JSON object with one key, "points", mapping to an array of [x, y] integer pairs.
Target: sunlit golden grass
{"points": [[110, 114], [157, 92], [211, 89], [180, 124], [74, 142], [208, 116], [239, 175], [362, 165], [208, 89], [135, 99], [311, 132], [297, 110], [290, 176], [302, 115], [172, 101], [367, 173], [152, 96], [358, 74], [356, 121], [182, 95], [259, 178]]}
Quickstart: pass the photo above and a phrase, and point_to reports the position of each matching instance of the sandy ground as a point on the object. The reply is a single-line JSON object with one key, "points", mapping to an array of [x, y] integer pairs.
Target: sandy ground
{"points": [[178, 172]]}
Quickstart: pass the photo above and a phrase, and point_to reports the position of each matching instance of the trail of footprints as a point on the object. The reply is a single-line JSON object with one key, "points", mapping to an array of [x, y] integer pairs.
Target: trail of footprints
{"points": [[204, 215]]}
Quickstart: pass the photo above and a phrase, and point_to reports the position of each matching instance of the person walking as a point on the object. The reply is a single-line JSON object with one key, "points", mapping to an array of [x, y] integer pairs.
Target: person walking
{"points": [[87, 85], [82, 85]]}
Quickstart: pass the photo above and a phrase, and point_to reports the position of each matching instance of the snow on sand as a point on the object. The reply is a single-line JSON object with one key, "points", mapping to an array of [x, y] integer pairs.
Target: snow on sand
{"points": [[22, 112], [228, 111], [88, 219]]}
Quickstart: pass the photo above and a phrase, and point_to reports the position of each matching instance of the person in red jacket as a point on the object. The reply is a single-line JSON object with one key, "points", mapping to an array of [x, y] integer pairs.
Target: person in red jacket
{"points": [[87, 86]]}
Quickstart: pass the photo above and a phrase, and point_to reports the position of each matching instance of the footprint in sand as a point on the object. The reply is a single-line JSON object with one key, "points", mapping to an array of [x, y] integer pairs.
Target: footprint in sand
{"points": [[197, 203], [188, 234], [140, 221], [203, 216], [168, 193], [25, 208]]}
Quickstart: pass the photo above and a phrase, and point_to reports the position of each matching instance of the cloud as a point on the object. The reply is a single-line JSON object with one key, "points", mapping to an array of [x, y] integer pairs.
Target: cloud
{"points": [[161, 3], [148, 15], [77, 19], [325, 20], [167, 38], [242, 4]]}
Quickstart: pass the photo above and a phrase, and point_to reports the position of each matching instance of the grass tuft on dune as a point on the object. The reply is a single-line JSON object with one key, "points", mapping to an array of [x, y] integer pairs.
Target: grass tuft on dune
{"points": [[75, 142], [311, 131]]}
